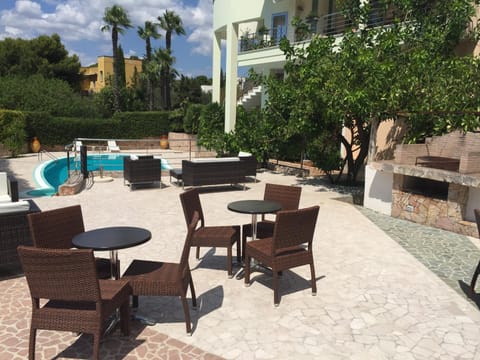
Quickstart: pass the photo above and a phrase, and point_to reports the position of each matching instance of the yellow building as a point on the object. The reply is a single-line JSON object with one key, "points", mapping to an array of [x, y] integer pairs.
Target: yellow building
{"points": [[96, 77]]}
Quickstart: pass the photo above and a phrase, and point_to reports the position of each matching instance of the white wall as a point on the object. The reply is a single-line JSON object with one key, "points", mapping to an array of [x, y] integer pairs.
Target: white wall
{"points": [[378, 190], [472, 203]]}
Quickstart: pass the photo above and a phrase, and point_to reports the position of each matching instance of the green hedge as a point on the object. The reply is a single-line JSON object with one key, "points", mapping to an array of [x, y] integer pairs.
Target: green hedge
{"points": [[62, 130], [12, 130]]}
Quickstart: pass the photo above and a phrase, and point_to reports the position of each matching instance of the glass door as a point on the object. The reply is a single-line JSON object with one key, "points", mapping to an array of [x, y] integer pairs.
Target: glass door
{"points": [[279, 26]]}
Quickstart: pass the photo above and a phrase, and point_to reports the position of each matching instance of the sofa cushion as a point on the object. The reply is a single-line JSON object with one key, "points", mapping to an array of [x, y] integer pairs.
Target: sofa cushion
{"points": [[3, 183], [5, 198], [205, 160], [14, 207]]}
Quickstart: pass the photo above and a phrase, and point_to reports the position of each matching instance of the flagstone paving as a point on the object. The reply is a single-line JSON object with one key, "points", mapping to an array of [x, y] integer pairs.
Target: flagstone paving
{"points": [[386, 288]]}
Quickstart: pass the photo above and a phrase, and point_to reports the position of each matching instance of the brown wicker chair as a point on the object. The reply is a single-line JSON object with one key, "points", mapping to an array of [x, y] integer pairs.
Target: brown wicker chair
{"points": [[210, 236], [154, 278], [290, 246], [287, 196], [77, 300], [477, 270], [55, 229]]}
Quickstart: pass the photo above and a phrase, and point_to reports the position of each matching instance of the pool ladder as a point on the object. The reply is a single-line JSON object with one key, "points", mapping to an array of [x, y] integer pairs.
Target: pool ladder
{"points": [[49, 154]]}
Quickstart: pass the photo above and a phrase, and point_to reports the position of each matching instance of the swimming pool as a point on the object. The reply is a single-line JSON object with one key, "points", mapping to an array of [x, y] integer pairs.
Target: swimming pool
{"points": [[51, 174]]}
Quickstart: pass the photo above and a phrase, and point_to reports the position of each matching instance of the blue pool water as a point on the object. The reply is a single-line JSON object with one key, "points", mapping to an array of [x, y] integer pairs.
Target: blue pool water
{"points": [[54, 173]]}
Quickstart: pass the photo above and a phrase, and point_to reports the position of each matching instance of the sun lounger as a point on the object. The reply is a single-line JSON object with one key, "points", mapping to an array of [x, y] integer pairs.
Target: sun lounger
{"points": [[112, 146]]}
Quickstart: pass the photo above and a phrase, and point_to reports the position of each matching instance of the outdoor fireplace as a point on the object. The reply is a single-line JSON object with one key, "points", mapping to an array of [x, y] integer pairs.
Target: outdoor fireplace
{"points": [[435, 184], [427, 187]]}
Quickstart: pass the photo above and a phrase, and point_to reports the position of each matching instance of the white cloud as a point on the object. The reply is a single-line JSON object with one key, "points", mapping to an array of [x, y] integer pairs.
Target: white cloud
{"points": [[28, 8], [78, 22]]}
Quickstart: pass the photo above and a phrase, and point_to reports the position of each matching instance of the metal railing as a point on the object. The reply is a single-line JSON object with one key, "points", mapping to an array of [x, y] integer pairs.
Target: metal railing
{"points": [[178, 149], [332, 24]]}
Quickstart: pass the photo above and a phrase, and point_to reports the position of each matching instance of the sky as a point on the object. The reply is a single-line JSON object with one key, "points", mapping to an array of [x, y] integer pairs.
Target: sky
{"points": [[78, 22]]}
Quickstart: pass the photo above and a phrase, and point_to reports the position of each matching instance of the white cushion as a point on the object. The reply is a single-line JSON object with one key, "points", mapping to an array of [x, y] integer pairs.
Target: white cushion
{"points": [[244, 154], [13, 207], [225, 159], [133, 157], [3, 183], [5, 198]]}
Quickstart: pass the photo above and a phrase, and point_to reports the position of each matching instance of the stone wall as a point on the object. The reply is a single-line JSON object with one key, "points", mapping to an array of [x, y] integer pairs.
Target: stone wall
{"points": [[446, 214]]}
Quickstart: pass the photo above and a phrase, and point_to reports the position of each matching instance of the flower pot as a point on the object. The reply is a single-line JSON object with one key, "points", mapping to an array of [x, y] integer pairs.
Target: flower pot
{"points": [[35, 145], [164, 142]]}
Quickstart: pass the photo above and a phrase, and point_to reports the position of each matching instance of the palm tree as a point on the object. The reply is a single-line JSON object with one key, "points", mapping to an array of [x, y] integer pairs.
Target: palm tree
{"points": [[171, 23], [159, 67], [146, 33], [116, 20]]}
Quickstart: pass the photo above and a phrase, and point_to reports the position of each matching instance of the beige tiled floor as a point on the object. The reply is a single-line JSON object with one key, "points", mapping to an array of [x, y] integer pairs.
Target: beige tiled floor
{"points": [[374, 300]]}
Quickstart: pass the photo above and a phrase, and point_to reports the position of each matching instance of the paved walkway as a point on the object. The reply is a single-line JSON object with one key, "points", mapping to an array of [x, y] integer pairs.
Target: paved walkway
{"points": [[387, 289]]}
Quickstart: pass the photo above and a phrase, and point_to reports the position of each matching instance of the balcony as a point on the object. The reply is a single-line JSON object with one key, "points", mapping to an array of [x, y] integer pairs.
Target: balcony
{"points": [[333, 24]]}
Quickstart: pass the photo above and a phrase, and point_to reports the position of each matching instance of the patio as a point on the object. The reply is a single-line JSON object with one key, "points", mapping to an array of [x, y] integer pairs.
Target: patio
{"points": [[387, 288]]}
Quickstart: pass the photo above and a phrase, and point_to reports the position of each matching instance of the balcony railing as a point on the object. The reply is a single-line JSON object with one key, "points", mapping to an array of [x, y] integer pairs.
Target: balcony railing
{"points": [[328, 25]]}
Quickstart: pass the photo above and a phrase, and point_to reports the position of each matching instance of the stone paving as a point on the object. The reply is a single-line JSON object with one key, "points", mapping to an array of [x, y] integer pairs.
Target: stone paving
{"points": [[452, 257], [376, 296]]}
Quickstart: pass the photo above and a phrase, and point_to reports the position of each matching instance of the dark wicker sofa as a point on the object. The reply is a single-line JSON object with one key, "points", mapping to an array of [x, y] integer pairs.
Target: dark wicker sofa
{"points": [[144, 170], [216, 171], [14, 231]]}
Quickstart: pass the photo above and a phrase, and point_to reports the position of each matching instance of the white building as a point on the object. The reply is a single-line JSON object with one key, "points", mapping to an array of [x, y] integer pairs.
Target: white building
{"points": [[252, 30]]}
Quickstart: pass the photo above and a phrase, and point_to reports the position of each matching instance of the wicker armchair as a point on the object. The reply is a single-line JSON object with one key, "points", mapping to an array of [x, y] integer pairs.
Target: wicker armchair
{"points": [[77, 300], [144, 170], [290, 246], [210, 236], [477, 270], [287, 196], [55, 229], [153, 278]]}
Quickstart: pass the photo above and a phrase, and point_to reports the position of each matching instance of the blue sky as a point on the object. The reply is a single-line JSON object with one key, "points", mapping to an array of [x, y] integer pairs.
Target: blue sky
{"points": [[78, 23]]}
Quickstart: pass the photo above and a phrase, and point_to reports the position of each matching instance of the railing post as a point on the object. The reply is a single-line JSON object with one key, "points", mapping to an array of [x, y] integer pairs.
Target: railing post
{"points": [[190, 149]]}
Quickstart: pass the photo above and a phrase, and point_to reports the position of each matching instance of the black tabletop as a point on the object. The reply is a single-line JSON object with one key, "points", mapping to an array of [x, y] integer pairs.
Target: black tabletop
{"points": [[254, 206], [111, 238]]}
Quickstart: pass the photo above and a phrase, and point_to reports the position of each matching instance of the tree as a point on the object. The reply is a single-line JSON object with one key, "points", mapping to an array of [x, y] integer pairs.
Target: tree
{"points": [[374, 74], [116, 20], [171, 23], [122, 81], [44, 55], [148, 32]]}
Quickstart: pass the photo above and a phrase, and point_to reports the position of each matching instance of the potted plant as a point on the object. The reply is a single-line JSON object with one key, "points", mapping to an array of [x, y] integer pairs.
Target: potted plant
{"points": [[302, 28], [312, 20]]}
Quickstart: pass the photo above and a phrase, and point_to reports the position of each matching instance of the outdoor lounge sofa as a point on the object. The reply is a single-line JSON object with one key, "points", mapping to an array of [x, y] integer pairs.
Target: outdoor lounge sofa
{"points": [[141, 170], [216, 171], [14, 229]]}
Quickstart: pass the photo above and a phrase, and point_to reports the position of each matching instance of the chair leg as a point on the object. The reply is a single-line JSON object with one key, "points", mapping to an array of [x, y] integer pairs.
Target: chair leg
{"points": [[96, 345], [125, 318], [229, 261], [247, 271], [474, 278], [314, 281], [198, 252], [239, 257], [192, 291], [187, 314], [276, 299], [31, 346], [244, 243]]}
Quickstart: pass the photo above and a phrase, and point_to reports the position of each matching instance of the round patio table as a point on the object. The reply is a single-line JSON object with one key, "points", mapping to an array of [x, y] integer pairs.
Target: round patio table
{"points": [[112, 239], [254, 207]]}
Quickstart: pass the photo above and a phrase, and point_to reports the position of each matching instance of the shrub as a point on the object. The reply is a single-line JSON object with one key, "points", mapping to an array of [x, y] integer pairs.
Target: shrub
{"points": [[191, 119], [12, 130]]}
